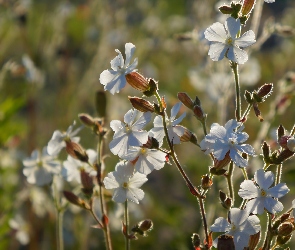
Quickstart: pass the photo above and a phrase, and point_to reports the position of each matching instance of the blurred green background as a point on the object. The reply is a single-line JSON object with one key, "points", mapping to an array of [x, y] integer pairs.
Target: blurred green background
{"points": [[51, 56]]}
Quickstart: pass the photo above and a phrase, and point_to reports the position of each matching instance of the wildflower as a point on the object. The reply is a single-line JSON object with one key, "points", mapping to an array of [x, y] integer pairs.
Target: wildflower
{"points": [[241, 226], [146, 160], [229, 138], [21, 228], [40, 168], [125, 183], [129, 133], [72, 167], [114, 80], [33, 74], [260, 193], [174, 131], [223, 41], [58, 140]]}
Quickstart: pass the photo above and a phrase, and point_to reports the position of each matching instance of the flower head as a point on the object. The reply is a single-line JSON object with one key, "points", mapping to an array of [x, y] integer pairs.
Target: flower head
{"points": [[21, 228], [174, 131], [57, 142], [129, 133], [72, 167], [146, 160], [260, 193], [40, 168], [114, 79], [225, 139], [241, 226], [125, 183], [223, 41]]}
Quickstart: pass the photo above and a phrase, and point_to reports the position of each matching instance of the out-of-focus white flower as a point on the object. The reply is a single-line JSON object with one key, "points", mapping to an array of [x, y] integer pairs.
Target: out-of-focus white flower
{"points": [[58, 140], [269, 1], [146, 160], [293, 206], [223, 41], [33, 74], [72, 167], [22, 229], [129, 133], [260, 193], [291, 144], [114, 80], [174, 131], [241, 226], [126, 183], [225, 139], [40, 168]]}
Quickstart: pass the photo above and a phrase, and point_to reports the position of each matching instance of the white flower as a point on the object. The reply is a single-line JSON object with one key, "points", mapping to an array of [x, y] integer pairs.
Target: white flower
{"points": [[241, 226], [129, 133], [39, 168], [33, 74], [22, 229], [72, 167], [223, 41], [269, 1], [260, 193], [125, 183], [146, 160], [174, 131], [225, 139], [57, 142], [114, 79]]}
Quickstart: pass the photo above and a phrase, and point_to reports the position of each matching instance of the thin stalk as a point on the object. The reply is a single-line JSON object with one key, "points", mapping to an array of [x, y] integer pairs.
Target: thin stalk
{"points": [[59, 216], [203, 213], [234, 67], [246, 112], [278, 174], [268, 238], [229, 178], [126, 215], [245, 173], [95, 216], [257, 16], [106, 228]]}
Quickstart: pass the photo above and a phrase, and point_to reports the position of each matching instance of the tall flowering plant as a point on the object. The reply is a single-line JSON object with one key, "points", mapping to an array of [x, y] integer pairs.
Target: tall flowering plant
{"points": [[142, 146]]}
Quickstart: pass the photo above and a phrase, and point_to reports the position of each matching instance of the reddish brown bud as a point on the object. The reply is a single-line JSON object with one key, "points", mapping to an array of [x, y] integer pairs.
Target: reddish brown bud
{"points": [[265, 90], [199, 113], [253, 241], [281, 240], [74, 199], [76, 151], [196, 240], [206, 182], [225, 242], [87, 120], [283, 141], [105, 220], [285, 229], [247, 7], [227, 10], [257, 112], [188, 136], [87, 183], [186, 100], [137, 81], [141, 104]]}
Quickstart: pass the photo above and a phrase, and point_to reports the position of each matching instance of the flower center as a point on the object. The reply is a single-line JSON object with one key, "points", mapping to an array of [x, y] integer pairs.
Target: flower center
{"points": [[40, 164], [229, 41], [125, 185], [263, 193], [143, 150], [127, 128], [233, 227]]}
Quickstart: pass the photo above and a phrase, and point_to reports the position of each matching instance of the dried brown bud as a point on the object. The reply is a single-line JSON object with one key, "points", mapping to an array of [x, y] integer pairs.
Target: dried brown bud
{"points": [[253, 241], [206, 182], [141, 104], [281, 240], [196, 240], [188, 136], [87, 120], [186, 100], [225, 201], [76, 151], [87, 183], [265, 91], [143, 227], [74, 199], [247, 7], [285, 229], [225, 242], [199, 113], [137, 81]]}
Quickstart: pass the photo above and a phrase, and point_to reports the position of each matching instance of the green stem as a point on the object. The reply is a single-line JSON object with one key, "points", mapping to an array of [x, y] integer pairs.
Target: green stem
{"points": [[59, 216], [203, 213], [234, 67], [278, 174], [246, 112], [229, 178], [245, 173], [127, 240], [268, 238]]}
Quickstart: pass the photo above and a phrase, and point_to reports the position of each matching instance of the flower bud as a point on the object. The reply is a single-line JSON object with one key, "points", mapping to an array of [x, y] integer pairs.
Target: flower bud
{"points": [[283, 141], [227, 10], [248, 97], [87, 183], [74, 199], [253, 241], [137, 81], [199, 113], [291, 144], [143, 227], [76, 151], [186, 100], [206, 182], [188, 136], [281, 240], [285, 229], [225, 242], [141, 104], [87, 120], [196, 241], [153, 87], [247, 7], [101, 103], [225, 201], [266, 152], [257, 112], [280, 132]]}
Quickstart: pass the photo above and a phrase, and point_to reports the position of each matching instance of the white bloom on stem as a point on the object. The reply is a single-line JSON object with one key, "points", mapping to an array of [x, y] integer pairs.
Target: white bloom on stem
{"points": [[126, 183], [229, 138], [58, 140], [261, 195], [241, 226], [223, 41], [21, 228], [114, 80], [146, 160], [129, 133], [40, 168], [174, 131], [72, 167]]}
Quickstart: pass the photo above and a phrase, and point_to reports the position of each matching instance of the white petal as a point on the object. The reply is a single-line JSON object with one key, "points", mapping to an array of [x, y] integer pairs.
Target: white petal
{"points": [[279, 190], [158, 133], [246, 148], [237, 159], [158, 121], [217, 51], [107, 76], [55, 146], [129, 51], [248, 190], [241, 240], [256, 205], [135, 194], [120, 195], [220, 150], [220, 225], [131, 67], [178, 120], [110, 182], [116, 84], [264, 179], [269, 1], [238, 216], [217, 131], [215, 33], [247, 39], [121, 59], [142, 121], [130, 116], [273, 206], [232, 26], [251, 225], [119, 146], [174, 111], [231, 125], [116, 63], [137, 180], [138, 138], [116, 125], [237, 55]]}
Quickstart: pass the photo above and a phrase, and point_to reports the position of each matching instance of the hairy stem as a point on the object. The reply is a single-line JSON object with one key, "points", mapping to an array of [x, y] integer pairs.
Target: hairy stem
{"points": [[278, 174], [234, 67], [229, 178], [126, 215], [268, 238]]}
